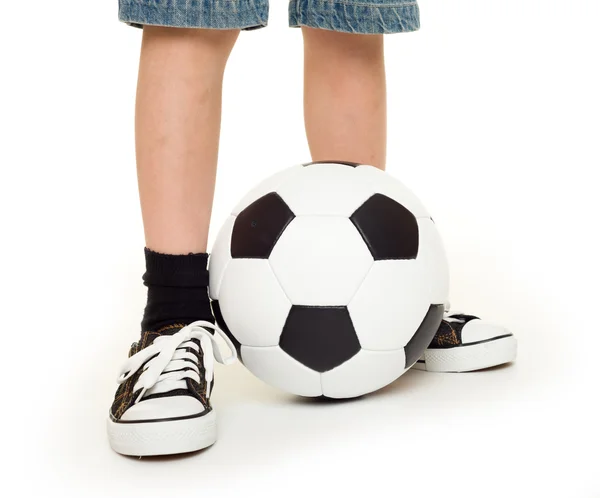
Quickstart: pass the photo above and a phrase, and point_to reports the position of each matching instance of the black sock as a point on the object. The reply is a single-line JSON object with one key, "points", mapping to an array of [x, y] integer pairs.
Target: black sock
{"points": [[177, 290]]}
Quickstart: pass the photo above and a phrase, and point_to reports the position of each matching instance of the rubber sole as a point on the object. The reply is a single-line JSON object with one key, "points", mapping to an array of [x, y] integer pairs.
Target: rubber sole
{"points": [[469, 357], [163, 438]]}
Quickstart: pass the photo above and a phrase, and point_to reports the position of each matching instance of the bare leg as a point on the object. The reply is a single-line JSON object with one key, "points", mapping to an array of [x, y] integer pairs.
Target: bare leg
{"points": [[178, 120], [345, 96]]}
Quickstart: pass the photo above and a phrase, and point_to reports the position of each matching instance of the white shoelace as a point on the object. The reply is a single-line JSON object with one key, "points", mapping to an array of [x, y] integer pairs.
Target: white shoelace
{"points": [[165, 372]]}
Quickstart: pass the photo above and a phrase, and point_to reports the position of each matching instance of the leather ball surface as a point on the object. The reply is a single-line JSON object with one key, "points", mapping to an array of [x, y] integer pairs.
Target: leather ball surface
{"points": [[330, 279]]}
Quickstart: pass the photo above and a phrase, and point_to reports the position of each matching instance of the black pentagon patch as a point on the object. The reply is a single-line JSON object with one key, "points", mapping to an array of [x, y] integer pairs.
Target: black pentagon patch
{"points": [[258, 227], [319, 337], [424, 334], [343, 163], [388, 228], [223, 326]]}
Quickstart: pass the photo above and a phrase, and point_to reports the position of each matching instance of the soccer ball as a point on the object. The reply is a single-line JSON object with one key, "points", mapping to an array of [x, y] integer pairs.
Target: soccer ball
{"points": [[330, 279]]}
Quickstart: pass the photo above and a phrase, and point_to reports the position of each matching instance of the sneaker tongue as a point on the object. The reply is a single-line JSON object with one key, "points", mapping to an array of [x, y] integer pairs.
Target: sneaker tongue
{"points": [[170, 329], [149, 336], [464, 317]]}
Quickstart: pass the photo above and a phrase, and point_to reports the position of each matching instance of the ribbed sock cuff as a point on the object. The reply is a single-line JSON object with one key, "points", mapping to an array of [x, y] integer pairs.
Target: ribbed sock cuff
{"points": [[169, 270], [177, 289]]}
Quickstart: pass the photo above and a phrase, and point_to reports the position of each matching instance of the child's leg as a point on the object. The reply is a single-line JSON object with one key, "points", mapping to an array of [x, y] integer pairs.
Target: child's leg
{"points": [[345, 118], [178, 118], [168, 377], [345, 96], [178, 114]]}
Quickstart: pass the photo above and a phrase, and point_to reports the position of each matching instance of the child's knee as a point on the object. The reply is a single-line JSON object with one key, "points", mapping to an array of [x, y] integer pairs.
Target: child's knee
{"points": [[343, 46], [217, 41]]}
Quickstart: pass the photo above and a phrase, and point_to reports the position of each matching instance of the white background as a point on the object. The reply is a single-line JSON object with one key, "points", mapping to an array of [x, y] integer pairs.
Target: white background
{"points": [[494, 122]]}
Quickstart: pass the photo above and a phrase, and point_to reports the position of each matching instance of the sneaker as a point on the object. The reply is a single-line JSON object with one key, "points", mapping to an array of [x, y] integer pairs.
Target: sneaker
{"points": [[162, 405], [465, 342]]}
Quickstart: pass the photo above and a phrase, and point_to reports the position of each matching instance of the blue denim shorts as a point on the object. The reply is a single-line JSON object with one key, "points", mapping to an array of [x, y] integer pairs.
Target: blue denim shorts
{"points": [[350, 16]]}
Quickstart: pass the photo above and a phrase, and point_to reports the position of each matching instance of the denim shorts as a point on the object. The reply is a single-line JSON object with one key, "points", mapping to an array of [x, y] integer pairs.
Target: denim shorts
{"points": [[350, 16]]}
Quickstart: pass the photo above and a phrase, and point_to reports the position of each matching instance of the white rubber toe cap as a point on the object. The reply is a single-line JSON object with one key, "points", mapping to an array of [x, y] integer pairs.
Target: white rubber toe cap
{"points": [[167, 407], [478, 330]]}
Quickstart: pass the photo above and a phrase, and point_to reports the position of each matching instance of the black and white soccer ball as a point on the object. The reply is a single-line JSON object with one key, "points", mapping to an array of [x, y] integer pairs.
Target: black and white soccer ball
{"points": [[330, 279]]}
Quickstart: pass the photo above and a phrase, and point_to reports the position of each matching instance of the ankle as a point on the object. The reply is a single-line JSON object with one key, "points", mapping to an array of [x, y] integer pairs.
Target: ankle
{"points": [[177, 290]]}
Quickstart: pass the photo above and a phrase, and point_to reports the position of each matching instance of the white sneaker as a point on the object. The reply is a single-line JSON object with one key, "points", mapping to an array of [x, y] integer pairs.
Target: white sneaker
{"points": [[162, 405], [465, 342]]}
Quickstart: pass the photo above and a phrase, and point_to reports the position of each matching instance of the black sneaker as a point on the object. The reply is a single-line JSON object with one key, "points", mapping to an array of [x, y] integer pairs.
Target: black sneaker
{"points": [[162, 405], [465, 342]]}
